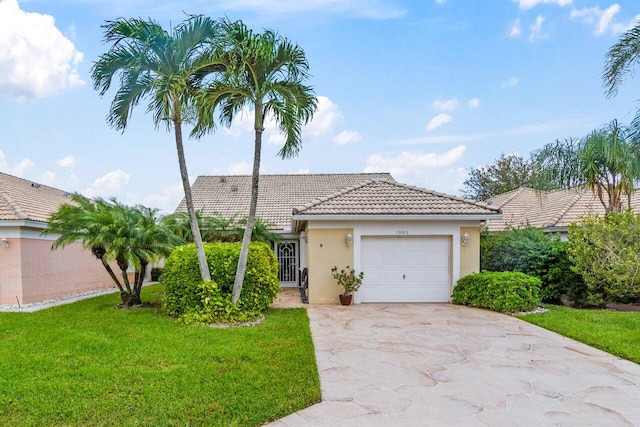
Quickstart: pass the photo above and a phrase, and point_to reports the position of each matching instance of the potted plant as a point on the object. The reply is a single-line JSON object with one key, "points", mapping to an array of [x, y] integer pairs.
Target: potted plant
{"points": [[350, 282]]}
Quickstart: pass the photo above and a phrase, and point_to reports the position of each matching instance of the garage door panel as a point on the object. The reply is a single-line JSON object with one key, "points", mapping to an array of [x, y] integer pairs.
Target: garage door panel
{"points": [[405, 269]]}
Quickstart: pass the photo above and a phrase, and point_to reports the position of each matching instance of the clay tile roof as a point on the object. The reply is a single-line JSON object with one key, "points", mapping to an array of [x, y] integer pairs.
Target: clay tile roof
{"points": [[386, 197], [24, 200], [551, 209], [227, 196]]}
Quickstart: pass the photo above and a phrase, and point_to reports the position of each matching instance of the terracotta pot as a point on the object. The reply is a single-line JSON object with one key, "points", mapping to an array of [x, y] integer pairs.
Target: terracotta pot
{"points": [[346, 299]]}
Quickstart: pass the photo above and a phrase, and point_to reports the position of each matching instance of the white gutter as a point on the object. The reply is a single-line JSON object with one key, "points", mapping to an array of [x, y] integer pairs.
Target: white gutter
{"points": [[454, 217]]}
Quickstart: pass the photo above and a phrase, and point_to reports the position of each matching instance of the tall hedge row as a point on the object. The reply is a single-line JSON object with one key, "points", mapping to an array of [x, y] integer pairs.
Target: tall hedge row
{"points": [[193, 301]]}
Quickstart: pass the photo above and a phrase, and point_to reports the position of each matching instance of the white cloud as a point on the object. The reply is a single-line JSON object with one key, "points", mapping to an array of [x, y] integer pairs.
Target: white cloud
{"points": [[321, 125], [371, 9], [304, 171], [528, 4], [48, 178], [324, 119], [67, 162], [438, 121], [429, 170], [108, 185], [511, 82], [347, 137], [515, 30], [20, 168], [240, 168], [603, 20], [166, 200], [536, 32], [37, 60], [474, 103], [446, 105]]}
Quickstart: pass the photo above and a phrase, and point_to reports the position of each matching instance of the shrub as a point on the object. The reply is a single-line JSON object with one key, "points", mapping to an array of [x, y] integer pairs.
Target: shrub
{"points": [[193, 301], [536, 253], [503, 292], [606, 252]]}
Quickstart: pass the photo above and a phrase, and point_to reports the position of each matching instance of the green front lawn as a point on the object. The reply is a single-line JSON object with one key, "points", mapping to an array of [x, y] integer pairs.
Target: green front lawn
{"points": [[615, 332], [88, 363]]}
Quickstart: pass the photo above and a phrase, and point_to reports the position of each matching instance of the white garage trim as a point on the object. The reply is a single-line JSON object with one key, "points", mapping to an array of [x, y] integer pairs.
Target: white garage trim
{"points": [[405, 269]]}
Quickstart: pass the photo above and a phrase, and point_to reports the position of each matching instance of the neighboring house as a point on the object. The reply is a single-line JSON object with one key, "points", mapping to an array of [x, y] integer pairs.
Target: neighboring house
{"points": [[551, 211], [29, 270], [412, 244]]}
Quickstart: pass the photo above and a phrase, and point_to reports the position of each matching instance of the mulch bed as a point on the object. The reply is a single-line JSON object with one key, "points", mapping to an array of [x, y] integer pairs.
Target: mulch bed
{"points": [[623, 307]]}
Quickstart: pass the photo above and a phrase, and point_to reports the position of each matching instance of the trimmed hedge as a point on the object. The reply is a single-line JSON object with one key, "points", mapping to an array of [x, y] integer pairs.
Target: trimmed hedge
{"points": [[505, 292], [193, 301]]}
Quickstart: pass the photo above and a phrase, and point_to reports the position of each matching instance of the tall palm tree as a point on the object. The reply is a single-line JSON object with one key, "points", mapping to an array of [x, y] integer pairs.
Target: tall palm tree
{"points": [[620, 60], [163, 68], [265, 72], [607, 161]]}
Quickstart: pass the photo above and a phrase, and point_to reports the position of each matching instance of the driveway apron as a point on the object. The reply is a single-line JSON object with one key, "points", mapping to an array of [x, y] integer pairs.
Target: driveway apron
{"points": [[440, 364]]}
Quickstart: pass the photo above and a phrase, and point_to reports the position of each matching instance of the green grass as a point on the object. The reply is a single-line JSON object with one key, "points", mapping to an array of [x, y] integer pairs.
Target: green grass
{"points": [[615, 332], [88, 363]]}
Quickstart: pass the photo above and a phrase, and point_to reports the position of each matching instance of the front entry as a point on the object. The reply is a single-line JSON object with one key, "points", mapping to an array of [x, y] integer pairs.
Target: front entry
{"points": [[287, 254]]}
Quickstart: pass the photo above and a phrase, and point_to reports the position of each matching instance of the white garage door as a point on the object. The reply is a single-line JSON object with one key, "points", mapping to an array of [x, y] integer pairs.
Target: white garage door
{"points": [[405, 269]]}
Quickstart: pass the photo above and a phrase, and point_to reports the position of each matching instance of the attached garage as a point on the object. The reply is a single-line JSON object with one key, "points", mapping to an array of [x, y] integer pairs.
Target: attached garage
{"points": [[411, 244], [405, 269]]}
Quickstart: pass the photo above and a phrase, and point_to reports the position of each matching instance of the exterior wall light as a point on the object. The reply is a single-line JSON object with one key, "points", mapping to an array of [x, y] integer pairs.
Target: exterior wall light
{"points": [[5, 242], [349, 240], [465, 239]]}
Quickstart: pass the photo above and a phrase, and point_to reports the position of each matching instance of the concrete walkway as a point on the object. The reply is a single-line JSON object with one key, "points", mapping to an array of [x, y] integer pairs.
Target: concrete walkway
{"points": [[439, 364]]}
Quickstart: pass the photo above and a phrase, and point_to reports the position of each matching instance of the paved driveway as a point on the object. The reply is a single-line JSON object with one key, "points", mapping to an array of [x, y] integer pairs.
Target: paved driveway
{"points": [[439, 364]]}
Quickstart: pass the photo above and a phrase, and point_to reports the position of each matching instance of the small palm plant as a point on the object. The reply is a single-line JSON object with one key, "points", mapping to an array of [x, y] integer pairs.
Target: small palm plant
{"points": [[348, 279]]}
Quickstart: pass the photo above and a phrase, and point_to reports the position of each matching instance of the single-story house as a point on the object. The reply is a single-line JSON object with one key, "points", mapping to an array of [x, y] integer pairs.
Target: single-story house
{"points": [[552, 211], [412, 244], [29, 270]]}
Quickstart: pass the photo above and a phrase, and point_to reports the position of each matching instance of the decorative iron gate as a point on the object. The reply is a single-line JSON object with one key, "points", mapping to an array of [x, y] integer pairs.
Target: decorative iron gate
{"points": [[287, 253]]}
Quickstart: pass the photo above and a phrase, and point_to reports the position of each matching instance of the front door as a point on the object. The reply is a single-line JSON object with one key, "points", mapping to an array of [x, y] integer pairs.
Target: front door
{"points": [[287, 254]]}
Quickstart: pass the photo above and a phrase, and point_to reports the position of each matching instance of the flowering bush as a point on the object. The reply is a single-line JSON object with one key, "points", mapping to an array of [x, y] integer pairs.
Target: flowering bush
{"points": [[348, 279]]}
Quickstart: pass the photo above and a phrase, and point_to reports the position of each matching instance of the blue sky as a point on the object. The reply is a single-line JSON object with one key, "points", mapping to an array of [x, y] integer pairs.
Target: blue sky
{"points": [[424, 89]]}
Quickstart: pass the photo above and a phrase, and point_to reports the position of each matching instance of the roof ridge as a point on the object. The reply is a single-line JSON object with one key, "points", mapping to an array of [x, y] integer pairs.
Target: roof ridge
{"points": [[562, 212], [301, 174], [448, 196], [516, 192], [349, 189], [345, 190], [17, 210]]}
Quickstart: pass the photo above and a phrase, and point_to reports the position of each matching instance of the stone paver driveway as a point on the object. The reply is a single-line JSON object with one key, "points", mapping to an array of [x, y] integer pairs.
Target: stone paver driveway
{"points": [[439, 364]]}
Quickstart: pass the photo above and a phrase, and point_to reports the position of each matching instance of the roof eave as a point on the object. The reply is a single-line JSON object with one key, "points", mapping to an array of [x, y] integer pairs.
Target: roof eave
{"points": [[22, 223], [421, 217]]}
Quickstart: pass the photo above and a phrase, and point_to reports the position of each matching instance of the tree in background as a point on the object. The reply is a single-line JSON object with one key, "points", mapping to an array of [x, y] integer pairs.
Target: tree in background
{"points": [[620, 60], [508, 172], [264, 72], [607, 161], [165, 69], [130, 236]]}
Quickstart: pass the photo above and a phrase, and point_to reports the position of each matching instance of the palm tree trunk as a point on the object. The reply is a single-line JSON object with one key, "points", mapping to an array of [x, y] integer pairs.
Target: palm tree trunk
{"points": [[197, 238], [246, 239], [99, 253]]}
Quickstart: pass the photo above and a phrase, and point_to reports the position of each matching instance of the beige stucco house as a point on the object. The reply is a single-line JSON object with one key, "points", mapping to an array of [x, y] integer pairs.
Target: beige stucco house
{"points": [[29, 270], [412, 244]]}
